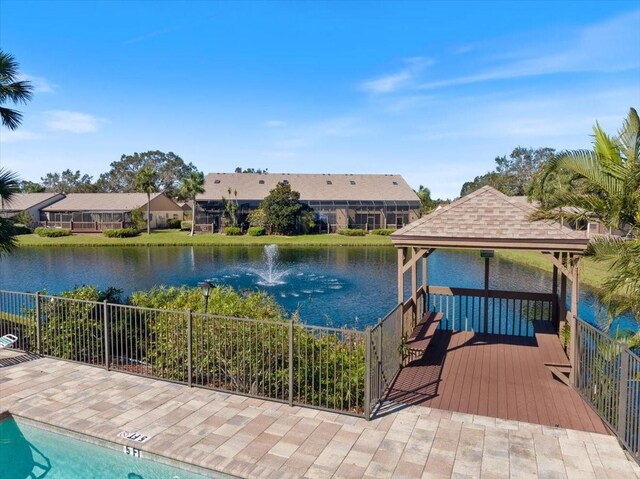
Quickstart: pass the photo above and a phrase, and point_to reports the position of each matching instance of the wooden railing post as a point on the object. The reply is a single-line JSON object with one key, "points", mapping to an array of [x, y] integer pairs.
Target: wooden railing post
{"points": [[38, 325], [291, 362], [189, 348], [367, 373], [624, 387], [105, 314]]}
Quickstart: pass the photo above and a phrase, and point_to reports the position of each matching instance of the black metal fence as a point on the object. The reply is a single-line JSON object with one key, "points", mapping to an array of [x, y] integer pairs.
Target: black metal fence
{"points": [[281, 360], [608, 377]]}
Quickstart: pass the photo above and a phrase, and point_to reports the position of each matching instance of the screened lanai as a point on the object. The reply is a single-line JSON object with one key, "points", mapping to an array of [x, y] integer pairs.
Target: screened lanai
{"points": [[484, 351]]}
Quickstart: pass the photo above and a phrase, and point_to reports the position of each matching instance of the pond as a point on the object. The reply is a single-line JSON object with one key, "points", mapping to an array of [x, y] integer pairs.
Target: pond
{"points": [[339, 286]]}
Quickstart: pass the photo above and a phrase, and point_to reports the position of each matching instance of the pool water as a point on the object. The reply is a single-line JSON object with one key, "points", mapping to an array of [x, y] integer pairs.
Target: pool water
{"points": [[30, 452]]}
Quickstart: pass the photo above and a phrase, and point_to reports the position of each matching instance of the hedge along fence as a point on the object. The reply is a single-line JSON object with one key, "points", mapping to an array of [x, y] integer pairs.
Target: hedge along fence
{"points": [[274, 358]]}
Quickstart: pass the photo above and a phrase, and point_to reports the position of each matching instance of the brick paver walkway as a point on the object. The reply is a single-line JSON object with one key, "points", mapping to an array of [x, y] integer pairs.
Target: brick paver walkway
{"points": [[254, 438]]}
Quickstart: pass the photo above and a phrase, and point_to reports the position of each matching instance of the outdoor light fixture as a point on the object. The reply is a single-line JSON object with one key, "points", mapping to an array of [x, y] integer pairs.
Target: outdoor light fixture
{"points": [[205, 286]]}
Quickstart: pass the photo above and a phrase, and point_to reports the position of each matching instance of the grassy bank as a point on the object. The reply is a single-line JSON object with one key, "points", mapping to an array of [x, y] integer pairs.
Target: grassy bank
{"points": [[591, 273], [182, 238]]}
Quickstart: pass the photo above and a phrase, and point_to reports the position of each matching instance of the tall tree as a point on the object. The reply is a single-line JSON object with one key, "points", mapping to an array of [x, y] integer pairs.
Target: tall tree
{"points": [[9, 186], [282, 209], [170, 169], [610, 195], [191, 186], [27, 186], [69, 182], [428, 204], [12, 90], [512, 174], [231, 206], [146, 181]]}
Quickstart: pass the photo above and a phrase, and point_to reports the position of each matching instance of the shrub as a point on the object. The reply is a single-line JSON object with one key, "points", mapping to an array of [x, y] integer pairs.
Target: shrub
{"points": [[138, 220], [52, 232], [232, 231], [382, 231], [122, 233], [256, 231], [185, 226], [175, 223], [352, 232], [20, 229]]}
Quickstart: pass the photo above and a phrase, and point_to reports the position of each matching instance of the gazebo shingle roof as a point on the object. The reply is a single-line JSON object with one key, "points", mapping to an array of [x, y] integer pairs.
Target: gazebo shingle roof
{"points": [[487, 218]]}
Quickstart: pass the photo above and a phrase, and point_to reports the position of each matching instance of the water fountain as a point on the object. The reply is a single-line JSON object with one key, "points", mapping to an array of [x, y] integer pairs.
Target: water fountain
{"points": [[296, 287], [270, 275]]}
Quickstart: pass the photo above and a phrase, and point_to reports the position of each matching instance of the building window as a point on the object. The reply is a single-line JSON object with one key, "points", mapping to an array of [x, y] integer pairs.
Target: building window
{"points": [[286, 182], [352, 182], [395, 183], [261, 182], [329, 182], [217, 182]]}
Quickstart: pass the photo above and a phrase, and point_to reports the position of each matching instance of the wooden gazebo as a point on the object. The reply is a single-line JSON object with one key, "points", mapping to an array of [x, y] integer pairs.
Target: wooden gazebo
{"points": [[488, 220]]}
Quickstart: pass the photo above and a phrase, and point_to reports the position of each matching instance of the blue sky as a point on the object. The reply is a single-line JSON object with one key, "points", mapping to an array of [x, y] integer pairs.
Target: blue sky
{"points": [[433, 91]]}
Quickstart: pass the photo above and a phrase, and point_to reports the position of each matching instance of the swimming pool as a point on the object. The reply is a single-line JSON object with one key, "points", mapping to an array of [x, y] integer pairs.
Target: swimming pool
{"points": [[31, 452]]}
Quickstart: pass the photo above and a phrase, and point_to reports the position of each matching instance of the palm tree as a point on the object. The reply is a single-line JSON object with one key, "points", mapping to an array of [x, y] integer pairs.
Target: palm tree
{"points": [[190, 187], [146, 181], [12, 89], [609, 193], [9, 186]]}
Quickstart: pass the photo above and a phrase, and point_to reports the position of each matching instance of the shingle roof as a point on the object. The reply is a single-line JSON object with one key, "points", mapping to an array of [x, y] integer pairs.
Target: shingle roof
{"points": [[489, 219], [312, 187], [24, 201], [101, 202]]}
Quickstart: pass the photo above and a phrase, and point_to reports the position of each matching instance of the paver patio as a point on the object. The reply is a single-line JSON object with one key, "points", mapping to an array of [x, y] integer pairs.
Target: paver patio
{"points": [[248, 437]]}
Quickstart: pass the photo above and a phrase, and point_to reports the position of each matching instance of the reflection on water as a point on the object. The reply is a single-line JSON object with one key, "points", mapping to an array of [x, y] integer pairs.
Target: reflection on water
{"points": [[351, 286], [19, 459]]}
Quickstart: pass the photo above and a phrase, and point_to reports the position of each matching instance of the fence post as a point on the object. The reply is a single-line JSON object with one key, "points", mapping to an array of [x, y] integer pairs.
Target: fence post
{"points": [[367, 373], [105, 314], [38, 325], [291, 362], [622, 403], [189, 348]]}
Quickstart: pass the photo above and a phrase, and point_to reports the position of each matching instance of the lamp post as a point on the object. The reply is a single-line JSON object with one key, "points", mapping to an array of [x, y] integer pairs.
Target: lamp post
{"points": [[205, 286]]}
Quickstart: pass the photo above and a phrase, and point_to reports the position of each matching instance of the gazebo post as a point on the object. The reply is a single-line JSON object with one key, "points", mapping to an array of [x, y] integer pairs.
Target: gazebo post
{"points": [[575, 292], [554, 291], [414, 286], [401, 275], [486, 295], [563, 291], [425, 273]]}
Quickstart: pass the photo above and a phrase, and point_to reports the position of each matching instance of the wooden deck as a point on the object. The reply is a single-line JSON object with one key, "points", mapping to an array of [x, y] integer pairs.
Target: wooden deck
{"points": [[497, 376]]}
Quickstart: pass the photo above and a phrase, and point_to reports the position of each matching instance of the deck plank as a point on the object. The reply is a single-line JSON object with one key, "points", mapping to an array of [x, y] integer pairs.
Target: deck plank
{"points": [[498, 376]]}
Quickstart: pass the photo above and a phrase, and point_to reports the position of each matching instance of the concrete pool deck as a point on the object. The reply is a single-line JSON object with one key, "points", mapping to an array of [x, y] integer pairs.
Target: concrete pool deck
{"points": [[250, 438]]}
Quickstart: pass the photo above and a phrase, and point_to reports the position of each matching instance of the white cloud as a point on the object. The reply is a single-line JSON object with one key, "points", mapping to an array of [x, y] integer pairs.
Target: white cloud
{"points": [[274, 123], [608, 46], [9, 136], [400, 79], [40, 84], [72, 121]]}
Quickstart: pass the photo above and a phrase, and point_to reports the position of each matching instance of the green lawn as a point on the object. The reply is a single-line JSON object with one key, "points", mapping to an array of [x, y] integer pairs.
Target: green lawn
{"points": [[591, 273], [182, 238]]}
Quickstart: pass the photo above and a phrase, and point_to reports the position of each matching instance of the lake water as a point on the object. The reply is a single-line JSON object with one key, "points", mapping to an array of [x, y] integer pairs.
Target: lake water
{"points": [[339, 286]]}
